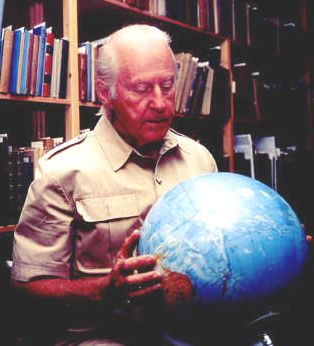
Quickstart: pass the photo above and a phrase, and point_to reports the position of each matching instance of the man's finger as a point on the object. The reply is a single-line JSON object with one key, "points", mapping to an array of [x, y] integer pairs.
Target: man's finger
{"points": [[145, 291], [128, 245], [141, 263]]}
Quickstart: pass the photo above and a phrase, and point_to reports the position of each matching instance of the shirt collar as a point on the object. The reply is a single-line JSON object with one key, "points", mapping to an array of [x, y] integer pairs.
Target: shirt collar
{"points": [[117, 150]]}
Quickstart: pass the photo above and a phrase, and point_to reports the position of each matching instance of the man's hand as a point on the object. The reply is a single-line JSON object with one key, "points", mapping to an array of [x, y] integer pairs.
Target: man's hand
{"points": [[133, 277]]}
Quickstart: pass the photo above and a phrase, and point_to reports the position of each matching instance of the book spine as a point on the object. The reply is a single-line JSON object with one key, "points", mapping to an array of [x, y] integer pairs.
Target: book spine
{"points": [[24, 63], [6, 60], [48, 64], [33, 71], [29, 62], [4, 178], [54, 69], [15, 61], [41, 31], [64, 68], [82, 61]]}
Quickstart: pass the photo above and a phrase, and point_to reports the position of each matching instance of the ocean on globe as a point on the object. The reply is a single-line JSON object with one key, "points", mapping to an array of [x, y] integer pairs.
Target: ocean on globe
{"points": [[224, 238]]}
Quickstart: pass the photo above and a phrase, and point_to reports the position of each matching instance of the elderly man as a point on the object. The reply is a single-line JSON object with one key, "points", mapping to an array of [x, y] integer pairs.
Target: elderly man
{"points": [[75, 241]]}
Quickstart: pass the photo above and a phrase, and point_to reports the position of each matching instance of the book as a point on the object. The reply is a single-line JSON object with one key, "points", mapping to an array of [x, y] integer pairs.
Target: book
{"points": [[243, 100], [38, 124], [20, 61], [206, 105], [239, 25], [191, 12], [82, 66], [2, 5], [86, 47], [40, 30], [63, 67], [22, 80], [220, 98], [93, 56], [199, 87], [27, 170], [29, 61], [7, 44], [184, 61], [226, 18], [4, 179], [33, 67], [190, 75], [48, 62], [55, 67], [16, 59]]}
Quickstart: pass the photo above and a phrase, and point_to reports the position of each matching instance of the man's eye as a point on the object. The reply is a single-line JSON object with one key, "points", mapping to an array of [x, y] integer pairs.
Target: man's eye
{"points": [[166, 85], [142, 88]]}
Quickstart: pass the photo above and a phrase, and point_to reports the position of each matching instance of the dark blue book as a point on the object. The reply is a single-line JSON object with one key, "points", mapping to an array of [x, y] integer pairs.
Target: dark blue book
{"points": [[40, 30], [15, 59], [64, 68]]}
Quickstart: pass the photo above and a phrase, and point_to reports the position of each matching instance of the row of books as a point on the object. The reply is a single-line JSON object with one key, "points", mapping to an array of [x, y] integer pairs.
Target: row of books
{"points": [[17, 171], [244, 21], [224, 17], [203, 86], [201, 13], [33, 62], [87, 55]]}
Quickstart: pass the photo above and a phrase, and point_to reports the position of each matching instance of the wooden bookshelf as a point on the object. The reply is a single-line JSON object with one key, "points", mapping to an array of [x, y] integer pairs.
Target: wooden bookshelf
{"points": [[83, 20]]}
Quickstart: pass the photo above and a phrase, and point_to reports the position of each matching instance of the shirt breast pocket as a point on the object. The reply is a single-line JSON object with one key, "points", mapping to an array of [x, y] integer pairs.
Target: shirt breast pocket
{"points": [[103, 223]]}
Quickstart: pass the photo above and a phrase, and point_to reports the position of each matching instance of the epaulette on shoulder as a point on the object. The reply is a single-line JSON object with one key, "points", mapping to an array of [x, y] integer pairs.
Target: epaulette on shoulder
{"points": [[178, 133], [63, 146]]}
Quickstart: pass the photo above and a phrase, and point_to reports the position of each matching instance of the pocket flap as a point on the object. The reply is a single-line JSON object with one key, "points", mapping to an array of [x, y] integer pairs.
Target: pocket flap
{"points": [[104, 208]]}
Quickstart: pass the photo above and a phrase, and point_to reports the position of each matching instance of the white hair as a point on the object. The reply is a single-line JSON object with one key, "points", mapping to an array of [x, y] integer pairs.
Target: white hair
{"points": [[106, 62]]}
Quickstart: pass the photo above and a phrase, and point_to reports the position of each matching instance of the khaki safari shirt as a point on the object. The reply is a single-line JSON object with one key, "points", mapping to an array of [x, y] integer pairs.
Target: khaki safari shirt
{"points": [[89, 194]]}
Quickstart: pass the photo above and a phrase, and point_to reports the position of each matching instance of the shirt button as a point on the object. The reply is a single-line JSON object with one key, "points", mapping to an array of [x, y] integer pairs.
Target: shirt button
{"points": [[158, 180]]}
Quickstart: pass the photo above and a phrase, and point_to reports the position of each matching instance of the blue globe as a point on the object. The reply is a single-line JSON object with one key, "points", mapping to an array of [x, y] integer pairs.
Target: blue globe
{"points": [[232, 237]]}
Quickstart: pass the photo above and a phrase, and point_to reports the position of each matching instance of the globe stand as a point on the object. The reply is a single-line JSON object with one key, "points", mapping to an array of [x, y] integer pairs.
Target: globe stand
{"points": [[262, 330]]}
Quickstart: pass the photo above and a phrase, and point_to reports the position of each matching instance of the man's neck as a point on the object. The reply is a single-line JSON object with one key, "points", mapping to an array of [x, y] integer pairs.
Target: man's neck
{"points": [[150, 150]]}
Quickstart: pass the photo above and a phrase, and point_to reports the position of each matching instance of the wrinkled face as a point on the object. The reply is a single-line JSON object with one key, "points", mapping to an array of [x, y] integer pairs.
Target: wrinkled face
{"points": [[144, 100]]}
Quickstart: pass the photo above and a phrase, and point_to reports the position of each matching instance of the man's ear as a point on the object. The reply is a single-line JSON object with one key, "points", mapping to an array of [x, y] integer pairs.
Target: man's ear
{"points": [[103, 93]]}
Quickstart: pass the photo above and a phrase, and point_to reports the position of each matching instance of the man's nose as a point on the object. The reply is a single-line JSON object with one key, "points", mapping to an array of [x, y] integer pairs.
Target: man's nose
{"points": [[158, 99]]}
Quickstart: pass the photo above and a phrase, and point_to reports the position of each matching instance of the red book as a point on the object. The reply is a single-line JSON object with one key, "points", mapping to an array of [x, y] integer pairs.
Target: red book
{"points": [[82, 67], [33, 68], [48, 63]]}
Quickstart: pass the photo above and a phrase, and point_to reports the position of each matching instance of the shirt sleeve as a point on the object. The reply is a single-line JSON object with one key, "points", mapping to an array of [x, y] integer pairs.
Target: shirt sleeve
{"points": [[42, 239]]}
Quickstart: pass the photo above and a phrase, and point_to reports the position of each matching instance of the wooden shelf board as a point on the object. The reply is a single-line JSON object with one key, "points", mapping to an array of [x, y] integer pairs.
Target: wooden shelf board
{"points": [[90, 104], [126, 10], [34, 99]]}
